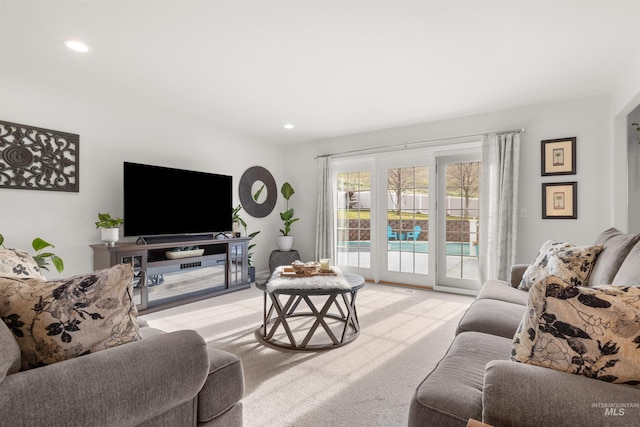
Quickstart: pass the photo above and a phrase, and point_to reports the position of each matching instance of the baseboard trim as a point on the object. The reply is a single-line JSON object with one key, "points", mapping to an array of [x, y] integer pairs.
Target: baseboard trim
{"points": [[404, 285]]}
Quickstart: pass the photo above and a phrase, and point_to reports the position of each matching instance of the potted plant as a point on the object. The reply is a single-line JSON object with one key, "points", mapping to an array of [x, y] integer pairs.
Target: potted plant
{"points": [[236, 220], [42, 258], [252, 268], [110, 228], [241, 222], [285, 241]]}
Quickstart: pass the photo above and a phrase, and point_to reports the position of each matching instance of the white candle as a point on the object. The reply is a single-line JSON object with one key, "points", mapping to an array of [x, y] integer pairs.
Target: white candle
{"points": [[325, 264]]}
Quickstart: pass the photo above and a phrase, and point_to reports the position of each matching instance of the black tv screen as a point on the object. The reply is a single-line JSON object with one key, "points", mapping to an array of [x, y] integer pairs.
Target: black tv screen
{"points": [[166, 201]]}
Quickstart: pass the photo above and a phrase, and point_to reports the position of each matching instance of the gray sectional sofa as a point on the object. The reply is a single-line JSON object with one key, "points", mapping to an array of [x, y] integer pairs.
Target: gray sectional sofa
{"points": [[477, 380], [164, 379], [73, 352]]}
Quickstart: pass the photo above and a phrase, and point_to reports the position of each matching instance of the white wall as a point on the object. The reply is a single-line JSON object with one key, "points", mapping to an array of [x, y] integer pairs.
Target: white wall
{"points": [[112, 131], [588, 119], [633, 150], [624, 193]]}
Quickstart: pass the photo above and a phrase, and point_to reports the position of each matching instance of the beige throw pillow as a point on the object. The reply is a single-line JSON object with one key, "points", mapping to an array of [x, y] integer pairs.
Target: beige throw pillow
{"points": [[61, 319], [586, 331], [570, 262], [19, 264]]}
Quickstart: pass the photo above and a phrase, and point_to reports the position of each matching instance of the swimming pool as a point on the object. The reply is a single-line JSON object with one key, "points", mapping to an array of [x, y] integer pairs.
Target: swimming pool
{"points": [[453, 248]]}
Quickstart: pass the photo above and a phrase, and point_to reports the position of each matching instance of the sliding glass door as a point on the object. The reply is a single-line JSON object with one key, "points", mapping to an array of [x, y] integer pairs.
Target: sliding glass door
{"points": [[404, 207], [354, 215], [410, 218], [407, 222], [458, 222]]}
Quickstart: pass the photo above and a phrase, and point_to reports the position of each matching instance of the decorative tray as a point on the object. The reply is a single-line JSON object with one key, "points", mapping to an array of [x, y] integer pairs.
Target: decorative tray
{"points": [[289, 272], [183, 254]]}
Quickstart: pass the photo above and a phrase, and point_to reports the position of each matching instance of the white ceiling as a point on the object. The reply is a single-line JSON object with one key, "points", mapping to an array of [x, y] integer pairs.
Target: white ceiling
{"points": [[330, 67]]}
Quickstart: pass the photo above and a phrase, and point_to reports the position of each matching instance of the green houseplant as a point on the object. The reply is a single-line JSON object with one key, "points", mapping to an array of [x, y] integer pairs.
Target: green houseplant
{"points": [[110, 228], [285, 241], [40, 257], [241, 222], [237, 219]]}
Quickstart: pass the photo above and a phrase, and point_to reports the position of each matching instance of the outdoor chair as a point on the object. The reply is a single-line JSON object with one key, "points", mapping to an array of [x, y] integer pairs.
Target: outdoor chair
{"points": [[415, 233], [391, 234]]}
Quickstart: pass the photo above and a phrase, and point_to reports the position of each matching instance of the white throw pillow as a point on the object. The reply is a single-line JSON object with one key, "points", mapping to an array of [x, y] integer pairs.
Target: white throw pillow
{"points": [[571, 263]]}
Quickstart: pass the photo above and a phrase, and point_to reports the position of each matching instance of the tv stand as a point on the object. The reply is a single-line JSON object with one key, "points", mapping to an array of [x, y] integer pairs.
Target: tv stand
{"points": [[165, 278]]}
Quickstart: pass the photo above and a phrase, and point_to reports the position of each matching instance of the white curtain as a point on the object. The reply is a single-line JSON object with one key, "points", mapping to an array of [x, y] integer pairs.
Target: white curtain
{"points": [[499, 204], [325, 247]]}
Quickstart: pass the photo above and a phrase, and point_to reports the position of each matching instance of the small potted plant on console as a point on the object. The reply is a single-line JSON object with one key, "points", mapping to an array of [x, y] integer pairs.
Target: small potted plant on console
{"points": [[110, 228]]}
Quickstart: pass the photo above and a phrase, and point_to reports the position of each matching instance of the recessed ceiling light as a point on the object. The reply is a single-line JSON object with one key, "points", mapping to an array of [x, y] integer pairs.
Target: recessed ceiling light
{"points": [[288, 126], [77, 46]]}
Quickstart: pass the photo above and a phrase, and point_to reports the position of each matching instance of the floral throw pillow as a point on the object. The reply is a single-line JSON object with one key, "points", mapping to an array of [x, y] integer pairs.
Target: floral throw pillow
{"points": [[19, 264], [586, 331], [61, 319], [570, 262]]}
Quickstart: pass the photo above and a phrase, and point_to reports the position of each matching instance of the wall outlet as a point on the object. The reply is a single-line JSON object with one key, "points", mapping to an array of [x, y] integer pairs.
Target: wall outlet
{"points": [[523, 213]]}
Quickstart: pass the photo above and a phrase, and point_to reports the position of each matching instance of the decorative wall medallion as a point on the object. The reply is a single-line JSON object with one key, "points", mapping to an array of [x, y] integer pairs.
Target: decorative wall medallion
{"points": [[33, 158], [251, 180]]}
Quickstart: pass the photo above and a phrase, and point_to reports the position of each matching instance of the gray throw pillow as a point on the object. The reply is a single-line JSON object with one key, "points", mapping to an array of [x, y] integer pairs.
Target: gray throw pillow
{"points": [[629, 272], [616, 246]]}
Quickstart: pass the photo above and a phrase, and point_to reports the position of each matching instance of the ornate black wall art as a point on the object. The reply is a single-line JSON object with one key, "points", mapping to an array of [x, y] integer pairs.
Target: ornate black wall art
{"points": [[33, 158]]}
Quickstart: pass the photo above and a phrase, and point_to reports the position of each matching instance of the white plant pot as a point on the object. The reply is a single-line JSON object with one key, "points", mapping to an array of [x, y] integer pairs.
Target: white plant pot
{"points": [[110, 235], [285, 243]]}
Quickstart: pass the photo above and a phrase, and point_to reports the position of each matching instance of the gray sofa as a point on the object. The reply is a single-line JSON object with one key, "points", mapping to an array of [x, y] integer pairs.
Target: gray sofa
{"points": [[477, 380], [165, 379]]}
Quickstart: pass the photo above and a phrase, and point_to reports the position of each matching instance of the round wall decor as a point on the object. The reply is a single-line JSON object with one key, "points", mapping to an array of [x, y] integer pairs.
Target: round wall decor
{"points": [[251, 181]]}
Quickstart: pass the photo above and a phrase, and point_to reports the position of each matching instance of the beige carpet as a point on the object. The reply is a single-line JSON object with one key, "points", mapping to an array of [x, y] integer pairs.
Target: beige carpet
{"points": [[368, 382]]}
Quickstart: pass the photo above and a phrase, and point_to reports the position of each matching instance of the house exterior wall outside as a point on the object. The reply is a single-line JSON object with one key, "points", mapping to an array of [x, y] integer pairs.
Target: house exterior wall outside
{"points": [[457, 230]]}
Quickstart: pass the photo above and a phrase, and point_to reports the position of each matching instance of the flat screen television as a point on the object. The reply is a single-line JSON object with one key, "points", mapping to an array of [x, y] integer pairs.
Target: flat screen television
{"points": [[161, 201]]}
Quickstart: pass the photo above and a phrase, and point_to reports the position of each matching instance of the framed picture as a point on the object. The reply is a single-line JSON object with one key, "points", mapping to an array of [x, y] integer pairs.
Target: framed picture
{"points": [[560, 200], [559, 156]]}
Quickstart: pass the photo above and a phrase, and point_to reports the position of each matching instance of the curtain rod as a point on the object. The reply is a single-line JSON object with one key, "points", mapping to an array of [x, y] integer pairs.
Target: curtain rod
{"points": [[406, 144]]}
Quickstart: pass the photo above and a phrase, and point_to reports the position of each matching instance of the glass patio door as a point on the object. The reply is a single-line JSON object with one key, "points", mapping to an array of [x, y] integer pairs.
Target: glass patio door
{"points": [[458, 222], [405, 201], [401, 219], [354, 215]]}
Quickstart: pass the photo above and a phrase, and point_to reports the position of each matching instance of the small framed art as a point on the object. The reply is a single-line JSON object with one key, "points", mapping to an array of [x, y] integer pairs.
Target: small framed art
{"points": [[558, 156], [560, 200]]}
